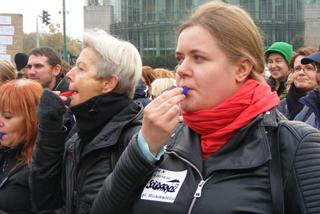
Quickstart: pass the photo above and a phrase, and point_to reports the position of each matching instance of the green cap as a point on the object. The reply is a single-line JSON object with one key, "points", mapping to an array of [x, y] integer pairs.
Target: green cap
{"points": [[282, 48]]}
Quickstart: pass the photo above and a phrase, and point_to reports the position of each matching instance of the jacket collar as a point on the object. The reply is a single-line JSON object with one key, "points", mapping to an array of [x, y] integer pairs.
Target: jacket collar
{"points": [[111, 132], [248, 148]]}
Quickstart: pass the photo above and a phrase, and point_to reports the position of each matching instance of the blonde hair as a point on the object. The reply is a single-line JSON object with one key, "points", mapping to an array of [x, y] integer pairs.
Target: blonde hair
{"points": [[158, 86], [163, 73], [7, 71], [237, 35]]}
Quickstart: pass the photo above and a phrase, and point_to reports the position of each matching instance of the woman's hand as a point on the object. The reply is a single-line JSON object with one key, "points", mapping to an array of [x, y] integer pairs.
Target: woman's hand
{"points": [[160, 117]]}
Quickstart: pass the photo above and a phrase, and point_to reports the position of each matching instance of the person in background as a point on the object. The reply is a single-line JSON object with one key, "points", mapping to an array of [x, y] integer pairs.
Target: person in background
{"points": [[163, 73], [18, 130], [310, 113], [7, 71], [141, 94], [148, 76], [278, 56], [44, 66], [21, 61], [68, 174], [65, 67], [233, 152], [303, 80], [160, 85]]}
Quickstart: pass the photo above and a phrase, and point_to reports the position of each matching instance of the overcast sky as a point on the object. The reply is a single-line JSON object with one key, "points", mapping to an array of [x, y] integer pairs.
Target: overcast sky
{"points": [[31, 8]]}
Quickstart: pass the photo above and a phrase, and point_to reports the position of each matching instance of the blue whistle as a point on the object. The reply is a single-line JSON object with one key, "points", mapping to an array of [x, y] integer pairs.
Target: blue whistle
{"points": [[1, 135], [185, 90]]}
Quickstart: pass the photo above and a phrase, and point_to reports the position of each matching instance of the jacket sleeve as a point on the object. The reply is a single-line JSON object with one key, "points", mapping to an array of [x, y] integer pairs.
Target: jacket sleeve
{"points": [[46, 168], [122, 186], [301, 169]]}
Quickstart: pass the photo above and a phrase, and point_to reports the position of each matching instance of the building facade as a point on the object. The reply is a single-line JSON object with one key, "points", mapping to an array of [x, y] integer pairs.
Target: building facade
{"points": [[152, 24], [278, 20], [312, 23], [98, 14]]}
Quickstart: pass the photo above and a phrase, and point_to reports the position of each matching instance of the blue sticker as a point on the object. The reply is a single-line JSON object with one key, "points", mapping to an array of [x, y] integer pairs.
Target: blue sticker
{"points": [[1, 135]]}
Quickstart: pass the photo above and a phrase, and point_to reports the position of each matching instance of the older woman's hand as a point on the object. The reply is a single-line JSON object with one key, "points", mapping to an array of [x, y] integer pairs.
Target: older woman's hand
{"points": [[160, 117]]}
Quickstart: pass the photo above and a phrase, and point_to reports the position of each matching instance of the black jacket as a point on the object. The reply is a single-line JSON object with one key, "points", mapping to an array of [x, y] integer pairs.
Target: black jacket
{"points": [[14, 185], [71, 176], [236, 179]]}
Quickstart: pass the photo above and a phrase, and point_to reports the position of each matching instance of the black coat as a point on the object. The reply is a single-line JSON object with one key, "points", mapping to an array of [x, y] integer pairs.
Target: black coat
{"points": [[236, 179], [71, 175], [14, 184]]}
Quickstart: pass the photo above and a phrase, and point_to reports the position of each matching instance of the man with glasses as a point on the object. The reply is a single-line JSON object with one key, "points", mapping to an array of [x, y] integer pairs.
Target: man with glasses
{"points": [[311, 110]]}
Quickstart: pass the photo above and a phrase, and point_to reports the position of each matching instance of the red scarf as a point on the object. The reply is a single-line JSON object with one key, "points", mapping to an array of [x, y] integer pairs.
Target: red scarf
{"points": [[217, 125]]}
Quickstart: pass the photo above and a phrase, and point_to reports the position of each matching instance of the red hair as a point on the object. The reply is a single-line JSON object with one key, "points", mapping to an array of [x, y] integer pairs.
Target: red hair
{"points": [[22, 97]]}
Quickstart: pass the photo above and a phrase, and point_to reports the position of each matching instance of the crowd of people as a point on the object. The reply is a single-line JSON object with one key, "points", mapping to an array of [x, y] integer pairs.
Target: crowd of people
{"points": [[214, 135]]}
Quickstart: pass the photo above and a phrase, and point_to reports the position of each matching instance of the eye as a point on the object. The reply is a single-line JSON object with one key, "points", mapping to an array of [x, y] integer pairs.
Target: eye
{"points": [[309, 68], [7, 116], [199, 58], [179, 60]]}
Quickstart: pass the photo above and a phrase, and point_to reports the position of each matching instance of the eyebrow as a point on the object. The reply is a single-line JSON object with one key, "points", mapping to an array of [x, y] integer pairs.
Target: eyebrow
{"points": [[192, 52]]}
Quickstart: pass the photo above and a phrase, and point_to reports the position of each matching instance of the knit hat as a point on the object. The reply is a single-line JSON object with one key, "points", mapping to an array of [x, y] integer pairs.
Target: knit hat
{"points": [[282, 48], [21, 60]]}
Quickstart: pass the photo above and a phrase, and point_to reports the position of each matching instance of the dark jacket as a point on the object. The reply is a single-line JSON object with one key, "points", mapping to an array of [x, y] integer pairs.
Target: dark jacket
{"points": [[281, 91], [310, 113], [71, 176], [14, 185], [233, 180], [140, 94], [290, 106]]}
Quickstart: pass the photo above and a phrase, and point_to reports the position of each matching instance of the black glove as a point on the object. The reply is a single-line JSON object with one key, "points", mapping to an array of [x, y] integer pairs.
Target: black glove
{"points": [[50, 111]]}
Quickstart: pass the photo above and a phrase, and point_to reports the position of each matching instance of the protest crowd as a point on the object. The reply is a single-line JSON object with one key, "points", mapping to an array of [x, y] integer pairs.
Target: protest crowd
{"points": [[111, 135]]}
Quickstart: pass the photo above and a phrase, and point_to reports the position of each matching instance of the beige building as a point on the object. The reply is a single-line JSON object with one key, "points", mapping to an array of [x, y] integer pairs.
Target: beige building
{"points": [[312, 24], [98, 15], [11, 35]]}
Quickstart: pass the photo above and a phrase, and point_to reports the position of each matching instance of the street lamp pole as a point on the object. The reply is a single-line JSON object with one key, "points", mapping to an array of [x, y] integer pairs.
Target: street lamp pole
{"points": [[65, 56], [37, 33]]}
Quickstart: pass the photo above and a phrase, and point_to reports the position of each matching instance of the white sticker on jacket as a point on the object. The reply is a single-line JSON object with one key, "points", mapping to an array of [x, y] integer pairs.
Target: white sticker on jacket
{"points": [[164, 185]]}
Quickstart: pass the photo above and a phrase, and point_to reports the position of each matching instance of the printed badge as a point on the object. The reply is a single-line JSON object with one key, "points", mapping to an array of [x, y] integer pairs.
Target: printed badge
{"points": [[164, 185]]}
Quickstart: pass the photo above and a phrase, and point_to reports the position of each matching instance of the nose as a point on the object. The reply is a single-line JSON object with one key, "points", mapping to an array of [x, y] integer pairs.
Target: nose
{"points": [[1, 122], [70, 74], [183, 69], [272, 64], [31, 70]]}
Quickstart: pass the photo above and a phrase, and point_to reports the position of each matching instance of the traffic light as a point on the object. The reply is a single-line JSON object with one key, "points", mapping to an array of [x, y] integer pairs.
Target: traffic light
{"points": [[45, 17]]}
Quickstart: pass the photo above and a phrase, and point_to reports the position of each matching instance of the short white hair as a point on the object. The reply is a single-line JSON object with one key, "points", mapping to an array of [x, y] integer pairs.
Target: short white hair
{"points": [[119, 58], [160, 85]]}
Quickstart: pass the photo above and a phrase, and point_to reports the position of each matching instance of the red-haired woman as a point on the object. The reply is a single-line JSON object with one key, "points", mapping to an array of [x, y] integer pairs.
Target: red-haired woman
{"points": [[18, 129]]}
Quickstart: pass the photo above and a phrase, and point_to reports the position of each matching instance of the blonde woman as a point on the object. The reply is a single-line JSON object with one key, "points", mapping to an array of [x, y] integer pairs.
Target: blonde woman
{"points": [[233, 153]]}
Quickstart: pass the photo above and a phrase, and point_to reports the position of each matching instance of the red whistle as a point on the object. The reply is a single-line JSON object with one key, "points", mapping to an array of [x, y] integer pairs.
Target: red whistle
{"points": [[66, 94]]}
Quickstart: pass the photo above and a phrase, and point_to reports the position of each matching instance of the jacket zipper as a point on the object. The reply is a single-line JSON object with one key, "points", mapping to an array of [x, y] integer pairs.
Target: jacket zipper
{"points": [[198, 192]]}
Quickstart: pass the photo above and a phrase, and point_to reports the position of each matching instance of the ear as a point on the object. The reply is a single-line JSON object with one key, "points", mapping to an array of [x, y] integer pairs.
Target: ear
{"points": [[243, 71], [56, 70], [109, 83]]}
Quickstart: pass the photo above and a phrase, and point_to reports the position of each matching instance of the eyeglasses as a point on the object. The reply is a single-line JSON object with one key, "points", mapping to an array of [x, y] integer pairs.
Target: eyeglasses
{"points": [[308, 68]]}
